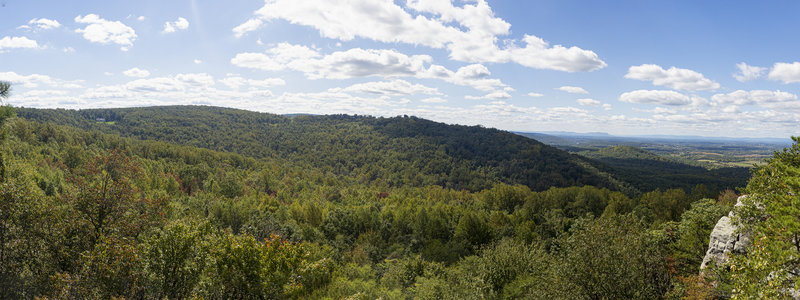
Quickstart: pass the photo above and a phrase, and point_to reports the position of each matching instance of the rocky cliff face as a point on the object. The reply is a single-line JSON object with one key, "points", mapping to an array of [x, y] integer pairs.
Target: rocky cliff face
{"points": [[725, 240]]}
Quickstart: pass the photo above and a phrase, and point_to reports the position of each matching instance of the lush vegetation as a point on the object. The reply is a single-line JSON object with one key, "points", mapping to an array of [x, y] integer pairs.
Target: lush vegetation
{"points": [[770, 213], [387, 152], [648, 171], [92, 210]]}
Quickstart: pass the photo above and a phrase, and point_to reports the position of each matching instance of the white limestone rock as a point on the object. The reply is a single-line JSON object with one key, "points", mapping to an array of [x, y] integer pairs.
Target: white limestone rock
{"points": [[725, 240]]}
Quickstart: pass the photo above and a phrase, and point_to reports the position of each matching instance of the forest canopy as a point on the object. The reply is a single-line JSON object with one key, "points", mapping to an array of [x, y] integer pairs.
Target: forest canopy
{"points": [[100, 209]]}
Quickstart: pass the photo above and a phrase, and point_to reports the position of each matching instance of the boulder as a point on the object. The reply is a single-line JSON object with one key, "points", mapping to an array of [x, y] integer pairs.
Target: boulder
{"points": [[725, 240]]}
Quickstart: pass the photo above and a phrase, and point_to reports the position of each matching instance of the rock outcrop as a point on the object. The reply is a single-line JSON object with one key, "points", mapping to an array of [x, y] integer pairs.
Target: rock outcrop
{"points": [[725, 240]]}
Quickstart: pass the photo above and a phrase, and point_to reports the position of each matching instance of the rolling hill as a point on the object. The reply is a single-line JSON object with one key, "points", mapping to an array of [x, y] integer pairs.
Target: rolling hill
{"points": [[381, 151]]}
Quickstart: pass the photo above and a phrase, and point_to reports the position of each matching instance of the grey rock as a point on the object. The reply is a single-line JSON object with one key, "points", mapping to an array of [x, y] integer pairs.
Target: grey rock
{"points": [[724, 240]]}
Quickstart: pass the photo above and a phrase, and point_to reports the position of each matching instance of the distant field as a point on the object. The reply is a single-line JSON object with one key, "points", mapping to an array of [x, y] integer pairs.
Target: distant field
{"points": [[710, 153]]}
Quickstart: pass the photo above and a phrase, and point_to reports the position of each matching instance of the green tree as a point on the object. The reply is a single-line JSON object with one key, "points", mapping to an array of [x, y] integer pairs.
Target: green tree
{"points": [[612, 257], [106, 201], [693, 234], [174, 258], [244, 268], [770, 212], [473, 229], [5, 90]]}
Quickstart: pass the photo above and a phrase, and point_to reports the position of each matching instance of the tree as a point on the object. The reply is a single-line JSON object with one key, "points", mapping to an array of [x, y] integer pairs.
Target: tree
{"points": [[5, 89], [693, 234], [174, 259], [106, 202], [612, 257], [770, 211]]}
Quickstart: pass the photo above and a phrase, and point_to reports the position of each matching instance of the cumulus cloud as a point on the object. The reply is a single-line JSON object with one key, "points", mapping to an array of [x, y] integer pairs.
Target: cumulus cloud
{"points": [[588, 102], [37, 80], [538, 54], [42, 24], [747, 72], [765, 98], [661, 97], [496, 95], [572, 89], [250, 25], [535, 95], [395, 87], [235, 82], [357, 62], [469, 32], [180, 24], [674, 78], [136, 72], [17, 42], [786, 72], [103, 31]]}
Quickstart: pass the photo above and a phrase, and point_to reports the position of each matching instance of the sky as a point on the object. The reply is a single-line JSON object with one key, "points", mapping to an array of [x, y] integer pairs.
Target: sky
{"points": [[638, 67]]}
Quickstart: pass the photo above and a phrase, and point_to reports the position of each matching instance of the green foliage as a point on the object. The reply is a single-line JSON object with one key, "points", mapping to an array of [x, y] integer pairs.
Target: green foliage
{"points": [[770, 213], [692, 236], [473, 229], [392, 208], [397, 151], [515, 270], [174, 258], [612, 258], [243, 268], [5, 89], [648, 171]]}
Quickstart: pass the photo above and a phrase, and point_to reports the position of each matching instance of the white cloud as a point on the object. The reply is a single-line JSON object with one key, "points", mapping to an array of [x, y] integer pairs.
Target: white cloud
{"points": [[43, 24], [17, 42], [250, 25], [180, 24], [535, 95], [572, 89], [136, 72], [38, 80], [496, 95], [196, 79], [674, 78], [104, 31], [661, 97], [588, 102], [747, 72], [68, 50], [197, 61], [433, 100], [606, 106], [235, 82], [770, 99], [786, 72], [538, 54], [140, 18], [392, 88], [469, 32], [357, 62]]}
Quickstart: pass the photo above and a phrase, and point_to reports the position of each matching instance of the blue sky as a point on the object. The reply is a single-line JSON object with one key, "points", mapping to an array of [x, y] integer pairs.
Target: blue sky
{"points": [[626, 67]]}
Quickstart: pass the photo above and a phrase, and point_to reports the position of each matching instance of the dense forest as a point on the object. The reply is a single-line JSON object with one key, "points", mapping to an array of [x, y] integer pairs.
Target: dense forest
{"points": [[388, 152], [178, 202]]}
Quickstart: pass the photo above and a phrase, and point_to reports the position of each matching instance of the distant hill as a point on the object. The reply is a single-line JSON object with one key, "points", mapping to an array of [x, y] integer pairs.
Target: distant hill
{"points": [[383, 151], [649, 171]]}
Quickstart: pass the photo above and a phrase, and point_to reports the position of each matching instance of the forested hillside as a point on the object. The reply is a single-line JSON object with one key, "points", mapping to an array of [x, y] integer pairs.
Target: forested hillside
{"points": [[87, 214], [392, 152], [649, 171]]}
